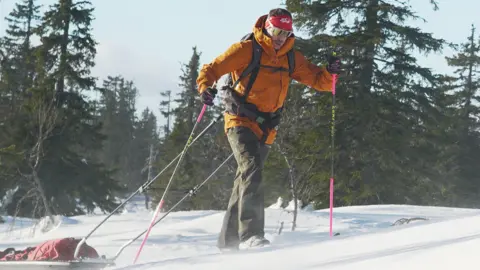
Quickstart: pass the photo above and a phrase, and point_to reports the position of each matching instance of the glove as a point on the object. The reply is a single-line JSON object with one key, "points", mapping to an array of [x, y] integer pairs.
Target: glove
{"points": [[208, 95], [334, 65]]}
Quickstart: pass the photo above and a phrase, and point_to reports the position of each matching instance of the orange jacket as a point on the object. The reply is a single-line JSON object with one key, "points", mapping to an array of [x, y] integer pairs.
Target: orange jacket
{"points": [[270, 88]]}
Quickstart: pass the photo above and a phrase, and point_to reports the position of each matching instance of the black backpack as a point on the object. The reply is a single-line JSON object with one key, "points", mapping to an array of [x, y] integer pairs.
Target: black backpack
{"points": [[237, 105], [255, 65]]}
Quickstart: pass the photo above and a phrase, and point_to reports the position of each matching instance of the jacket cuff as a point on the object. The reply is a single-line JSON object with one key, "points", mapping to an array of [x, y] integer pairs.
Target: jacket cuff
{"points": [[202, 87]]}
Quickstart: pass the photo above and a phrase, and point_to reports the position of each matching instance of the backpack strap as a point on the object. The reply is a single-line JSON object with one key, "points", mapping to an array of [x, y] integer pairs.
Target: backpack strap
{"points": [[291, 61], [253, 68]]}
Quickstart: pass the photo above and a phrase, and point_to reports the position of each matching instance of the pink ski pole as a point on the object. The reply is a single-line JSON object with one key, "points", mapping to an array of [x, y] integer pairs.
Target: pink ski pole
{"points": [[160, 204], [333, 140]]}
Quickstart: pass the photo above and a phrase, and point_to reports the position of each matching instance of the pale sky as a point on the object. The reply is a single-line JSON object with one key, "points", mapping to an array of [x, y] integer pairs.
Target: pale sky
{"points": [[147, 40]]}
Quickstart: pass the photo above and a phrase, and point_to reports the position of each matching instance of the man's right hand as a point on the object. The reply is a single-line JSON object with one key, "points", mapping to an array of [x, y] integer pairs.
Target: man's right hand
{"points": [[208, 95]]}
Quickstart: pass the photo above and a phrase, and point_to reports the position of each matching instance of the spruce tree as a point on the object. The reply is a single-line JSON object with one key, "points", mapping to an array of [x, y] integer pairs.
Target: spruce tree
{"points": [[166, 110], [18, 68], [383, 97], [58, 132], [66, 36], [117, 113], [145, 151], [463, 129], [184, 115], [202, 157]]}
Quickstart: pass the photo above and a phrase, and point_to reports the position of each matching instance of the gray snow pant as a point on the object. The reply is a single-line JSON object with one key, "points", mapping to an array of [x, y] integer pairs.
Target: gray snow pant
{"points": [[245, 212]]}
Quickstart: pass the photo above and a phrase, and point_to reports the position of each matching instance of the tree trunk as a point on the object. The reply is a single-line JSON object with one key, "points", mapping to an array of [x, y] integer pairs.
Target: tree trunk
{"points": [[167, 129], [149, 177], [372, 28], [41, 190], [46, 122], [65, 6], [293, 190], [27, 59], [36, 179]]}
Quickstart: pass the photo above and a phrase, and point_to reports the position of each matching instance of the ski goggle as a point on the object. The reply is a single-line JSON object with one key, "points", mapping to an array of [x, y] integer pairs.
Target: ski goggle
{"points": [[277, 32]]}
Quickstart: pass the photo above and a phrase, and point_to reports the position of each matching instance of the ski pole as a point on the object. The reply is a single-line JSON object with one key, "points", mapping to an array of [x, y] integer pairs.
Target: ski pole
{"points": [[144, 186], [334, 80], [190, 193], [162, 200]]}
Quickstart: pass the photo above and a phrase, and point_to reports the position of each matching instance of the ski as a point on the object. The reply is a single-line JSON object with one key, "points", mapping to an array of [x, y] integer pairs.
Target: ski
{"points": [[40, 265]]}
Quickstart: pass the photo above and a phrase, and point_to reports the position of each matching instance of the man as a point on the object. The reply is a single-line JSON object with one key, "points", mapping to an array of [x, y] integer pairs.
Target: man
{"points": [[252, 114]]}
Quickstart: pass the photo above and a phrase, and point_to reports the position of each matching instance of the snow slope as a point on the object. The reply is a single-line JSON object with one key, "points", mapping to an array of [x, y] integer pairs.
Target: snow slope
{"points": [[186, 240]]}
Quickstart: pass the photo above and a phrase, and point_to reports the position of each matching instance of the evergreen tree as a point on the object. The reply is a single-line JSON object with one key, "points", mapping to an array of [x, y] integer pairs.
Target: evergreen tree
{"points": [[108, 110], [17, 71], [126, 124], [145, 149], [183, 114], [201, 158], [55, 129], [383, 96], [66, 36], [464, 126], [166, 110], [117, 110], [18, 68]]}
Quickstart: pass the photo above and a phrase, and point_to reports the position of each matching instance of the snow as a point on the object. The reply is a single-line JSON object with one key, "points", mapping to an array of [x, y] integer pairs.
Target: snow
{"points": [[450, 237]]}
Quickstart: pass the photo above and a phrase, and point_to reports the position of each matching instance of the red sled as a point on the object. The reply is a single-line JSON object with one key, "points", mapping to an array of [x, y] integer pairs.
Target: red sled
{"points": [[53, 254]]}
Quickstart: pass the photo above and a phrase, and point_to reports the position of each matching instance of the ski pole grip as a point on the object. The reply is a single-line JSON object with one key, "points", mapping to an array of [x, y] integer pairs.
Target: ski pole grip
{"points": [[201, 113], [334, 83]]}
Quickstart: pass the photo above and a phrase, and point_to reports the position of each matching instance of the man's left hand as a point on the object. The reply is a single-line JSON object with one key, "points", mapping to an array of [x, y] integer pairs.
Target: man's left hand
{"points": [[334, 65]]}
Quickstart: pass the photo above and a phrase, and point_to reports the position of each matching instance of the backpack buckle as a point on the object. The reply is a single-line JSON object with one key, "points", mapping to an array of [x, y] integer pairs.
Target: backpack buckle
{"points": [[260, 120]]}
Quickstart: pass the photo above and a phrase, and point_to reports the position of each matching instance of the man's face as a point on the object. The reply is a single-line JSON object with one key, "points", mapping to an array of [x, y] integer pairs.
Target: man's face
{"points": [[278, 41], [278, 36]]}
